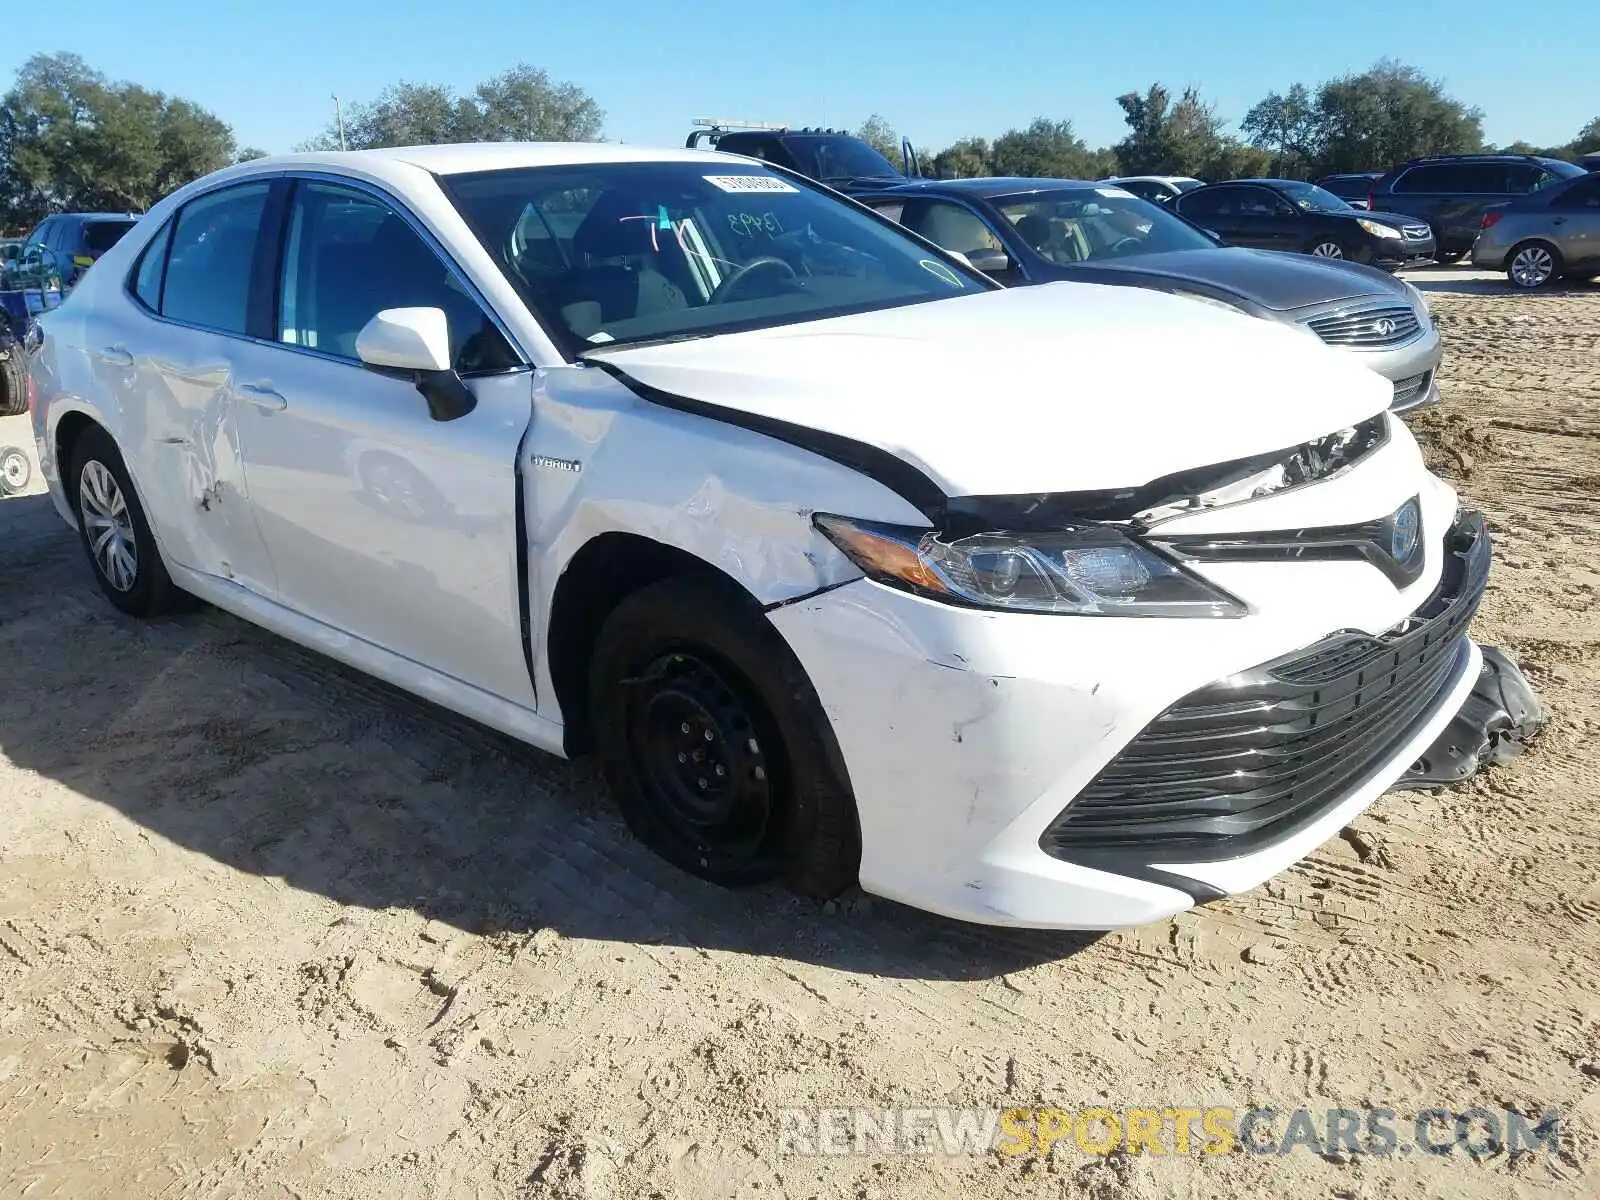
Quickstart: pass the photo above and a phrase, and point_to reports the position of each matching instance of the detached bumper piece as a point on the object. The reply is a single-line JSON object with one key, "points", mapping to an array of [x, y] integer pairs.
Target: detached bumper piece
{"points": [[1250, 759], [1498, 720]]}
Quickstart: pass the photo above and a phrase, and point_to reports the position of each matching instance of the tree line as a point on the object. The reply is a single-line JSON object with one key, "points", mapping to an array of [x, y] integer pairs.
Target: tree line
{"points": [[71, 139]]}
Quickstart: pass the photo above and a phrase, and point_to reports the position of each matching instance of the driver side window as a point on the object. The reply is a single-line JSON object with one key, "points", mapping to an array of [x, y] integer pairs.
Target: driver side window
{"points": [[951, 226], [348, 256]]}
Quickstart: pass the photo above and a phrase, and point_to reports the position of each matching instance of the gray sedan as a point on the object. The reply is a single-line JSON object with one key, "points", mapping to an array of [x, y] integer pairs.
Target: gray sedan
{"points": [[1547, 235], [1023, 231]]}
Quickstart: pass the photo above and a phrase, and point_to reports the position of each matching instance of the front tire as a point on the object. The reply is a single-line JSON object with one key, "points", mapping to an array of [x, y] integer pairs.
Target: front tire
{"points": [[1533, 264], [15, 470], [116, 536], [714, 742]]}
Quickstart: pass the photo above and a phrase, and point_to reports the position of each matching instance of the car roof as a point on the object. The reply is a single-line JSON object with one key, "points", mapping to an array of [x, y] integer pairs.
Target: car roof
{"points": [[467, 157], [992, 186], [1150, 179]]}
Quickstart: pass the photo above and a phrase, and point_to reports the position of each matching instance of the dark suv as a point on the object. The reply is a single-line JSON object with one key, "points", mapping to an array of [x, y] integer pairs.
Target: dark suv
{"points": [[841, 160], [1452, 193], [70, 243]]}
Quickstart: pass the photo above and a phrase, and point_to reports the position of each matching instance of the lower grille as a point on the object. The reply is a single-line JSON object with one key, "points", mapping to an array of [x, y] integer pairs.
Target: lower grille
{"points": [[1250, 759], [1410, 388], [1368, 328]]}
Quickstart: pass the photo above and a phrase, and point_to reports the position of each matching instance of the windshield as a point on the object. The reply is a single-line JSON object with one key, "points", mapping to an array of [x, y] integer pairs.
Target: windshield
{"points": [[1557, 172], [1091, 224], [1308, 197], [1187, 185], [100, 236], [839, 159], [614, 253]]}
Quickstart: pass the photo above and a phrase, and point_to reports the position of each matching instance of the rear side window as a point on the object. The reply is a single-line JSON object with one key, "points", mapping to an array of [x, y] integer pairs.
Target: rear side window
{"points": [[1486, 179], [100, 236], [152, 266], [212, 252], [1429, 180], [1583, 194]]}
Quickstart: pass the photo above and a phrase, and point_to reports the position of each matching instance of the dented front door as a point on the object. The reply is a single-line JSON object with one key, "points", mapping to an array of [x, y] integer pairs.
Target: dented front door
{"points": [[186, 430]]}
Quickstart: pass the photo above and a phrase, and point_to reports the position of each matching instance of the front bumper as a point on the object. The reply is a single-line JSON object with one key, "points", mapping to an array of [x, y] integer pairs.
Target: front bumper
{"points": [[1391, 255], [970, 735]]}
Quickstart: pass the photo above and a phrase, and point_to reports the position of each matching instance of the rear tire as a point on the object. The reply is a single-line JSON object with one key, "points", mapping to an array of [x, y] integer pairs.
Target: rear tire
{"points": [[1325, 248], [714, 742], [13, 380], [1447, 258], [116, 537], [1533, 264]]}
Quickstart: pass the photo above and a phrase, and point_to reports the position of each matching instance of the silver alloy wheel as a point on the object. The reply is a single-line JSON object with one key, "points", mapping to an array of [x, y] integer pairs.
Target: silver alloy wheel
{"points": [[1327, 250], [1532, 267], [108, 525], [14, 469]]}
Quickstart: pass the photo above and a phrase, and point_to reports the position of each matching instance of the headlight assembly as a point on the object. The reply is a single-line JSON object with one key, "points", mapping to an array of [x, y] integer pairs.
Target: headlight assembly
{"points": [[1378, 230], [1082, 570]]}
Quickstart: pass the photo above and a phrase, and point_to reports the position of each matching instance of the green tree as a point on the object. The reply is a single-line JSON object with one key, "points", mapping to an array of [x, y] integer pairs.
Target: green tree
{"points": [[1588, 139], [519, 105], [1364, 122], [72, 139], [1045, 149], [1180, 137], [967, 158], [881, 136]]}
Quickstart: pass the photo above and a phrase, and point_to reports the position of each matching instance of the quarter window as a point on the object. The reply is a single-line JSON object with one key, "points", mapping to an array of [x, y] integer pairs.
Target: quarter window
{"points": [[1584, 194], [213, 250], [349, 256], [152, 266]]}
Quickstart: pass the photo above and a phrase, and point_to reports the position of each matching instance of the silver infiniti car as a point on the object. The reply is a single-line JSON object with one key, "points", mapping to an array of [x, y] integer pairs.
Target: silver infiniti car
{"points": [[1024, 231]]}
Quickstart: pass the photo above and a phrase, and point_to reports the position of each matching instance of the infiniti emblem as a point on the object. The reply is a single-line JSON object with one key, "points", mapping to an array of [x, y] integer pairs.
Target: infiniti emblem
{"points": [[1405, 529], [1383, 327]]}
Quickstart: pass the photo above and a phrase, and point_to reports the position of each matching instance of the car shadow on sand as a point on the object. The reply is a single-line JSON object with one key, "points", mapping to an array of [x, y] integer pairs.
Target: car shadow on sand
{"points": [[237, 744]]}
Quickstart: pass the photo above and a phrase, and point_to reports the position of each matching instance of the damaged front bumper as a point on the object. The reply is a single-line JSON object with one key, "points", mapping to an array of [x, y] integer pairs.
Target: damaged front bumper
{"points": [[1501, 716]]}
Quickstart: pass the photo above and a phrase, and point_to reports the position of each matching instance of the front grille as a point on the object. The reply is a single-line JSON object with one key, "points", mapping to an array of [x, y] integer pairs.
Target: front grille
{"points": [[1251, 758], [1368, 328], [1416, 232], [1408, 389]]}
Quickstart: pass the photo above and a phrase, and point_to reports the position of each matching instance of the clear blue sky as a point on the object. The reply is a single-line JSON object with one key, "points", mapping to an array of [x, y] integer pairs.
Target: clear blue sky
{"points": [[936, 69]]}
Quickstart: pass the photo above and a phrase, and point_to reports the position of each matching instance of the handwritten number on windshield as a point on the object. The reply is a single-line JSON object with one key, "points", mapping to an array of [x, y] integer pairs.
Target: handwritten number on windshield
{"points": [[750, 224]]}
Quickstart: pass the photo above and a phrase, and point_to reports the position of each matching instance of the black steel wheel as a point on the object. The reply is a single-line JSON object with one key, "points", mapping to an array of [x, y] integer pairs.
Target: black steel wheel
{"points": [[714, 743]]}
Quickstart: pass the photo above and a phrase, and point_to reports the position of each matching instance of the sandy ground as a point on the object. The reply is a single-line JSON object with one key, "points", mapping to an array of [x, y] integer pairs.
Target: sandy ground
{"points": [[270, 930]]}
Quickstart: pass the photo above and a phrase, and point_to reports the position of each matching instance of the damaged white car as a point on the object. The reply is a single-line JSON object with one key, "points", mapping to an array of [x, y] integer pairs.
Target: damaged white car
{"points": [[850, 565]]}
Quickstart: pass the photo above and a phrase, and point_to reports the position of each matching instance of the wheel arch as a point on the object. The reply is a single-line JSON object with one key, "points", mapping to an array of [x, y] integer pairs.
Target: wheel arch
{"points": [[605, 571]]}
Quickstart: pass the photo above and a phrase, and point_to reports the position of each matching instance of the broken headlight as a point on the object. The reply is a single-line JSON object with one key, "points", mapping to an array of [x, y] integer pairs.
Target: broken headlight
{"points": [[1083, 570]]}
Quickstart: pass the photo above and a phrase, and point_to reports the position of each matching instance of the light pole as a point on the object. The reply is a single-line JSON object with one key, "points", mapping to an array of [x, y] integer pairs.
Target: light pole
{"points": [[338, 116]]}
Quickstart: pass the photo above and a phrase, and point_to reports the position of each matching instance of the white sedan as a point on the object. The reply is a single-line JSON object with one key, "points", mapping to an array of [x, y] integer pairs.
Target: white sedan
{"points": [[849, 564]]}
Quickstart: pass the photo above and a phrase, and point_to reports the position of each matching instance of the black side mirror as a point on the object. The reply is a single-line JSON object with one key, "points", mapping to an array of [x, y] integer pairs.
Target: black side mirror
{"points": [[447, 395], [990, 262]]}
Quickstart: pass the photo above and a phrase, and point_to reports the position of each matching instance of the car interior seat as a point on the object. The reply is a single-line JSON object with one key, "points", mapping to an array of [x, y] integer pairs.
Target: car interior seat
{"points": [[621, 260]]}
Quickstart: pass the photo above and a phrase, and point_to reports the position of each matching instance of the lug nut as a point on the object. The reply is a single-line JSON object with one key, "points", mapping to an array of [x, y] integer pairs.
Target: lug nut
{"points": [[761, 772], [702, 784], [684, 727], [682, 757], [708, 735], [721, 770]]}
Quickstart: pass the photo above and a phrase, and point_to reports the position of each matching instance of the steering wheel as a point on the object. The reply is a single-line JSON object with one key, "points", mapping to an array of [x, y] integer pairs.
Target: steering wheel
{"points": [[732, 283], [1116, 247]]}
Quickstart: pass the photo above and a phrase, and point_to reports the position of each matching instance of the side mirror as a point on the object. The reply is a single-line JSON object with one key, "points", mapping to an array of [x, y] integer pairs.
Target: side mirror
{"points": [[416, 342], [990, 261]]}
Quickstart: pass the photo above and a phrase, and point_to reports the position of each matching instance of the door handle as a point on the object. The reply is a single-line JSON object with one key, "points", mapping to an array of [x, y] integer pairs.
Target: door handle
{"points": [[118, 355], [263, 397]]}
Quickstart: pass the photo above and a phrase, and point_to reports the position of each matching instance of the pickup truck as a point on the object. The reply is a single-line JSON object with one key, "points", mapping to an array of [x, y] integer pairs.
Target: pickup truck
{"points": [[835, 157]]}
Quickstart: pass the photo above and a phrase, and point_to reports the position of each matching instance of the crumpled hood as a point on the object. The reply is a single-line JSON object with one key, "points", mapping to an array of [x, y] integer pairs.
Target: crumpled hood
{"points": [[1061, 387], [1268, 279]]}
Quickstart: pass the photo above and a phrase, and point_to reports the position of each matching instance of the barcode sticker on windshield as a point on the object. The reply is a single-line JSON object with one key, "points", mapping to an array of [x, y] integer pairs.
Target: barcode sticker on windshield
{"points": [[1115, 193], [750, 183]]}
